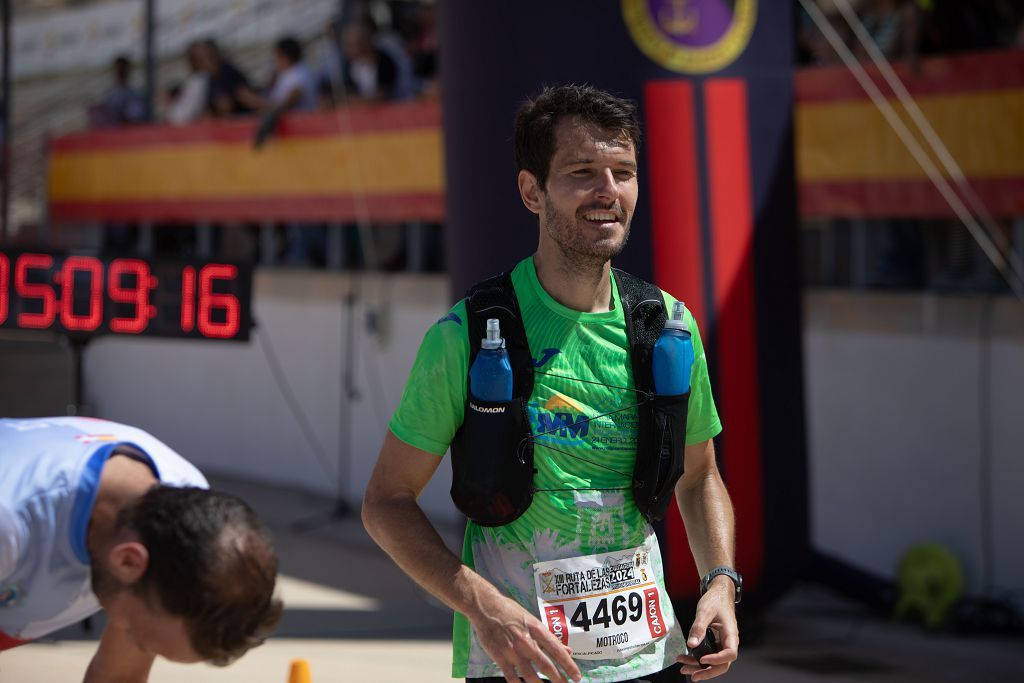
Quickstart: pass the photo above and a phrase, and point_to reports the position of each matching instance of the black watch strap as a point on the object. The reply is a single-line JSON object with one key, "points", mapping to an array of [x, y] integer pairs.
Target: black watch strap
{"points": [[723, 571]]}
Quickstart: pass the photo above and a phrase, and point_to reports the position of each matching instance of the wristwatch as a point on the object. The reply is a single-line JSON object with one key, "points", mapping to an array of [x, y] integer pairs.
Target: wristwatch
{"points": [[727, 571]]}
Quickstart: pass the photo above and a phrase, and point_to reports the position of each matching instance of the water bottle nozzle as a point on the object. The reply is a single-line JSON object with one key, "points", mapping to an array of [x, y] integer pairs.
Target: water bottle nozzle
{"points": [[676, 322], [493, 339]]}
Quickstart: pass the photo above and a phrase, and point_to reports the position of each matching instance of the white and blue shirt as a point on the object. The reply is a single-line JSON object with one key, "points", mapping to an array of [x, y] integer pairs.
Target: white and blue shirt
{"points": [[49, 476]]}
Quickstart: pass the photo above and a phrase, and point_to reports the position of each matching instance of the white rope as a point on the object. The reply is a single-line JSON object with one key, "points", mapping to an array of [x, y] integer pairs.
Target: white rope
{"points": [[979, 234], [925, 128]]}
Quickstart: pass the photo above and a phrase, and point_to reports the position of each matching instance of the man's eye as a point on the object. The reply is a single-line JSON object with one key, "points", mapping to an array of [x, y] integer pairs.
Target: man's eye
{"points": [[625, 175], [581, 172]]}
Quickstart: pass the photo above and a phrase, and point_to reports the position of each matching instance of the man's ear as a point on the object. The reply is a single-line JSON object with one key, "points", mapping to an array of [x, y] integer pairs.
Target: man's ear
{"points": [[530, 191], [128, 561]]}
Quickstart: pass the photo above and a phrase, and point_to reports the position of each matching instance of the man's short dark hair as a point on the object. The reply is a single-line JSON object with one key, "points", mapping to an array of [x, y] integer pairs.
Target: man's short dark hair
{"points": [[211, 562], [291, 49], [537, 118]]}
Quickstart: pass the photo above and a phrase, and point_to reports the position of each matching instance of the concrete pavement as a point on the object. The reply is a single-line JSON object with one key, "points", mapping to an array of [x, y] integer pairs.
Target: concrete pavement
{"points": [[354, 616]]}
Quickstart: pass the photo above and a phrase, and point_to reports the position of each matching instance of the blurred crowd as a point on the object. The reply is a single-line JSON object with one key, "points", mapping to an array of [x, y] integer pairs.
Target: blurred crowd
{"points": [[354, 62], [909, 29], [359, 61]]}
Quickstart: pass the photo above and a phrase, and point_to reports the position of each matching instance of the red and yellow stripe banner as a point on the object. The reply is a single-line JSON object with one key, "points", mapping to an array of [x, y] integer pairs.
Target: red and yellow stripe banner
{"points": [[384, 163], [850, 162]]}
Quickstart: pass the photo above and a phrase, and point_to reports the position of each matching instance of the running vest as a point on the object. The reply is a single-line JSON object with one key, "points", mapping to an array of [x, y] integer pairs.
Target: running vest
{"points": [[492, 452]]}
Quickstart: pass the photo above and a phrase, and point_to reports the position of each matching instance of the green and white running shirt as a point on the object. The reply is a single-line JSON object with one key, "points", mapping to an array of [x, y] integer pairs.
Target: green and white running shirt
{"points": [[593, 422]]}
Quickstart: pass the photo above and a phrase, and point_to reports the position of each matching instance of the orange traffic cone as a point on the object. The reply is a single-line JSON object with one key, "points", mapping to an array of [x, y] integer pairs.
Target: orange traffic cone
{"points": [[299, 672]]}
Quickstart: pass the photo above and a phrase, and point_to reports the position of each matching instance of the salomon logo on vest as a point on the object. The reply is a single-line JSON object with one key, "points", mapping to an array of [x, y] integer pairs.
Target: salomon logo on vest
{"points": [[482, 409]]}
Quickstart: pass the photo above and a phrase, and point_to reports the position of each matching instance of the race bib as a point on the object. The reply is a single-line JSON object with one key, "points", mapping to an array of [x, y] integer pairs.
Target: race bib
{"points": [[604, 606]]}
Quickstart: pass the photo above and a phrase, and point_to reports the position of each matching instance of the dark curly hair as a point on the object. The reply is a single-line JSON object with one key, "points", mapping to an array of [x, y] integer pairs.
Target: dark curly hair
{"points": [[211, 562], [537, 118]]}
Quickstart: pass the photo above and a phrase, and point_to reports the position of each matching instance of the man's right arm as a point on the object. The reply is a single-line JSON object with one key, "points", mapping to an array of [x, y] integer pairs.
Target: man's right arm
{"points": [[514, 637]]}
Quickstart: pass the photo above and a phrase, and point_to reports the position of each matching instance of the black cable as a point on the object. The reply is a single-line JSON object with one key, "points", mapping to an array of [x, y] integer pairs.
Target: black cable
{"points": [[293, 404], [534, 437], [573, 455], [643, 393]]}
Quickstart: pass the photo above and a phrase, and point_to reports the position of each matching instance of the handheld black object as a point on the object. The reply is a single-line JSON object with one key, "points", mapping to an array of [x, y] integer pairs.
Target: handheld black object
{"points": [[708, 646]]}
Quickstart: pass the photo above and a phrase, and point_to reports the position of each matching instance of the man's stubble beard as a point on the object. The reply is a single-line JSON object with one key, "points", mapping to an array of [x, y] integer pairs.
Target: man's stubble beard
{"points": [[578, 253]]}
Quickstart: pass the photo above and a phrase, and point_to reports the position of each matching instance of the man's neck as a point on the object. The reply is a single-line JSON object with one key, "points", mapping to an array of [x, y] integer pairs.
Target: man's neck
{"points": [[581, 287], [122, 481]]}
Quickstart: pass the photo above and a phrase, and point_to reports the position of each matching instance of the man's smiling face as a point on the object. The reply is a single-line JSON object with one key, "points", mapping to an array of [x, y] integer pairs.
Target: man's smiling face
{"points": [[591, 192]]}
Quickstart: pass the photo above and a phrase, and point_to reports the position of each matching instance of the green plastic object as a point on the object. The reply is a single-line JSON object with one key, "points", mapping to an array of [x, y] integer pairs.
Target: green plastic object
{"points": [[931, 580]]}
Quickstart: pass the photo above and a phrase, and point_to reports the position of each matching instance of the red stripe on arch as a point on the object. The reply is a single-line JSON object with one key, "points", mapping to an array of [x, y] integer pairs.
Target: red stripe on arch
{"points": [[675, 199], [732, 235], [677, 249]]}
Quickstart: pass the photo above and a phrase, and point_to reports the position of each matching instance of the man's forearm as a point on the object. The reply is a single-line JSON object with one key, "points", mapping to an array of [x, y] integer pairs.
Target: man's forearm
{"points": [[399, 526], [708, 517]]}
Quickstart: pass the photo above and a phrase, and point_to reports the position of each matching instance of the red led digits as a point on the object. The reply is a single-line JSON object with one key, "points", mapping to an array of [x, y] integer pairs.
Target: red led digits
{"points": [[90, 295], [188, 299], [91, 320], [208, 301], [5, 282], [137, 295], [28, 290]]}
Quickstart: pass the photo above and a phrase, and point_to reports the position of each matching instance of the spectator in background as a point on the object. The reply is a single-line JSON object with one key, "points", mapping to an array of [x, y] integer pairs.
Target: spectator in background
{"points": [[419, 29], [370, 73], [189, 104], [120, 105], [293, 88], [229, 92]]}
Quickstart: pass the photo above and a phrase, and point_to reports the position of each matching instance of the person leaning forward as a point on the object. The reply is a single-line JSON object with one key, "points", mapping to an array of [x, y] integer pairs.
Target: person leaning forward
{"points": [[96, 514], [576, 150]]}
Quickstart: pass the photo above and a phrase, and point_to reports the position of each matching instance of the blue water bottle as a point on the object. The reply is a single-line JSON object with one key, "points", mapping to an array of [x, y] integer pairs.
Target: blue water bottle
{"points": [[673, 355], [490, 377]]}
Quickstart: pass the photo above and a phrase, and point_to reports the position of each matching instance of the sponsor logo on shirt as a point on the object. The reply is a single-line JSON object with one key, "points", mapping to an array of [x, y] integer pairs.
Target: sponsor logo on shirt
{"points": [[451, 317], [545, 356], [562, 417]]}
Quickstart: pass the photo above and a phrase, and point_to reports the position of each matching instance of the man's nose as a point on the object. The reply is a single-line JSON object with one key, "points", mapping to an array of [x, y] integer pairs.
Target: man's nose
{"points": [[606, 187]]}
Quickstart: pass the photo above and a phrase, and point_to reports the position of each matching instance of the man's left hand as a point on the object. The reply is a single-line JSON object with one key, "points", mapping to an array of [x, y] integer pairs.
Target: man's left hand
{"points": [[717, 610]]}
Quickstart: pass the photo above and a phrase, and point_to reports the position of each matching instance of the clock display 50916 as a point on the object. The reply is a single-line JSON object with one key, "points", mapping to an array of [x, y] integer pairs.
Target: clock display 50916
{"points": [[89, 295]]}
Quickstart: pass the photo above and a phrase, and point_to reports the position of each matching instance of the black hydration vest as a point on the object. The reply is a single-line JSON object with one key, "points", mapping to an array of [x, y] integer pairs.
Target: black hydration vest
{"points": [[492, 452]]}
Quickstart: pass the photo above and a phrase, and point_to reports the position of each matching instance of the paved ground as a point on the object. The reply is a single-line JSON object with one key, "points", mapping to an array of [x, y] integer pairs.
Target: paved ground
{"points": [[355, 617]]}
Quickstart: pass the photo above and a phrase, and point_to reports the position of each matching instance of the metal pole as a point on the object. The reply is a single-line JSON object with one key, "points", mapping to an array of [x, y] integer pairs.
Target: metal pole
{"points": [[5, 119], [149, 48]]}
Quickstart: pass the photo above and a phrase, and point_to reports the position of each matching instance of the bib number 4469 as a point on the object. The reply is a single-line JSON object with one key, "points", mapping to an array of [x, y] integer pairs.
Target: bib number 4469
{"points": [[622, 608]]}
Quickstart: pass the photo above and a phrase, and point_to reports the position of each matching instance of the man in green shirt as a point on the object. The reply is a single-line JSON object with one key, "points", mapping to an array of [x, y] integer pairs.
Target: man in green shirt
{"points": [[576, 150]]}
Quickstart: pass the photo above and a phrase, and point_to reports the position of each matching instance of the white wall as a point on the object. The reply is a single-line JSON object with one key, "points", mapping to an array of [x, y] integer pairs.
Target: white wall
{"points": [[894, 421], [897, 390], [219, 406]]}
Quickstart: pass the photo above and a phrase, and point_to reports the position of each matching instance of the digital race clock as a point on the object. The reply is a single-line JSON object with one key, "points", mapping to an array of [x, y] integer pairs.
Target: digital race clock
{"points": [[85, 295]]}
